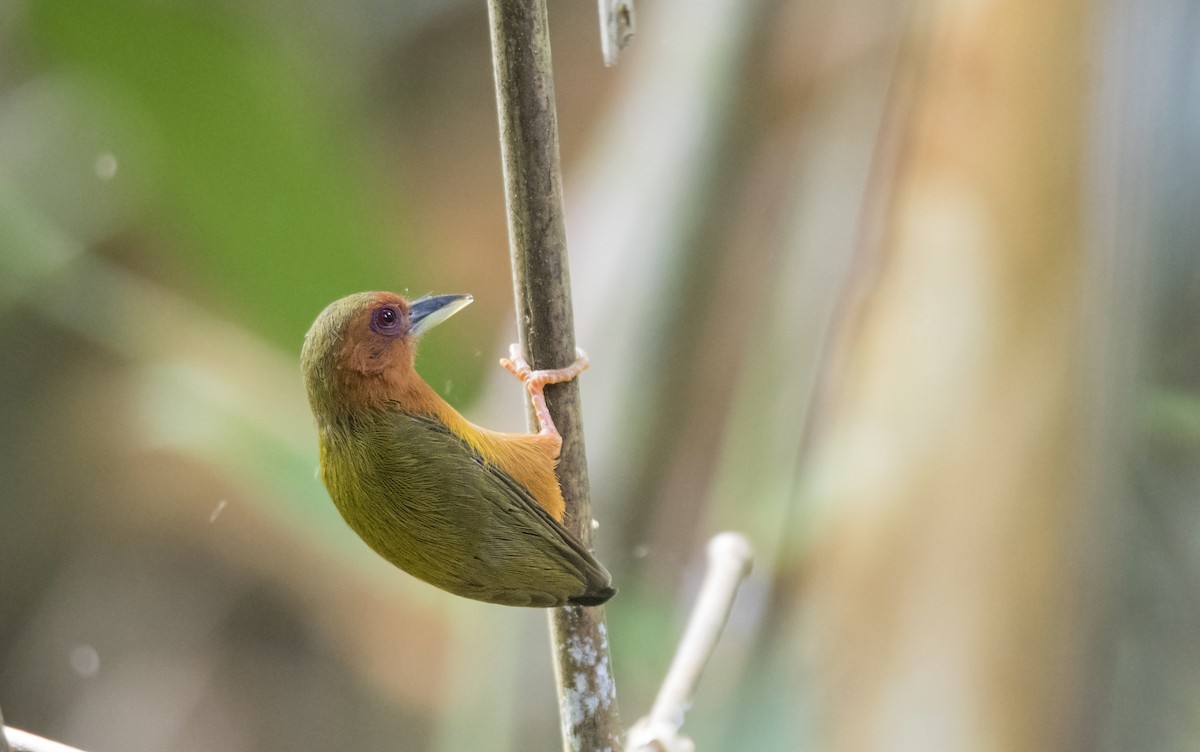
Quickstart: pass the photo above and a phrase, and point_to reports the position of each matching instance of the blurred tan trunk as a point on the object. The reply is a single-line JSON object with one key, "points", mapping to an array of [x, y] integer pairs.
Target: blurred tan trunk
{"points": [[947, 587]]}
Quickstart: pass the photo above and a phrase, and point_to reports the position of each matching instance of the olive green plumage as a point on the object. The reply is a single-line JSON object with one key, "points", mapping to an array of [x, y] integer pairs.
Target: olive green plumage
{"points": [[417, 492], [417, 495]]}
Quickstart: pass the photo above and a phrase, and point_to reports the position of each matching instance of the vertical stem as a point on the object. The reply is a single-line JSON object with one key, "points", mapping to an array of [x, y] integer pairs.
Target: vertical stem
{"points": [[963, 580], [537, 241]]}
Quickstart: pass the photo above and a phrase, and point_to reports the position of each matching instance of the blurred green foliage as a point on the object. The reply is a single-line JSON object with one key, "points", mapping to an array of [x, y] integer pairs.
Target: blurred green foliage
{"points": [[251, 151], [276, 210]]}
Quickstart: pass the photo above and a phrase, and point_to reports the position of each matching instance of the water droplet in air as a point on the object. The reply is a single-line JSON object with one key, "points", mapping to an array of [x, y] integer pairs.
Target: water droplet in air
{"points": [[105, 166], [85, 660]]}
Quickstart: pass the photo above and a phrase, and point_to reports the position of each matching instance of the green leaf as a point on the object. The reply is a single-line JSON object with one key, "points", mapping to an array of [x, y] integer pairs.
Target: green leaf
{"points": [[263, 199]]}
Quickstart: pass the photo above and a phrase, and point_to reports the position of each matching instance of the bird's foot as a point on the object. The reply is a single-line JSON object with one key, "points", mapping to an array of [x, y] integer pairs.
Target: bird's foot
{"points": [[536, 381]]}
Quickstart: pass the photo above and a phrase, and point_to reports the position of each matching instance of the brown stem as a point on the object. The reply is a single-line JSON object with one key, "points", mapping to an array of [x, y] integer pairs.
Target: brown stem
{"points": [[545, 322]]}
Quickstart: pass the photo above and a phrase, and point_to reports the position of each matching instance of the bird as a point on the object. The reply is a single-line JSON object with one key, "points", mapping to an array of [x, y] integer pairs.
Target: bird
{"points": [[475, 512]]}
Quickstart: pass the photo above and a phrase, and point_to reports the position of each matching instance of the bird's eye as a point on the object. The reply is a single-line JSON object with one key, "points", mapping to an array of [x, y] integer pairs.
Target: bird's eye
{"points": [[386, 320]]}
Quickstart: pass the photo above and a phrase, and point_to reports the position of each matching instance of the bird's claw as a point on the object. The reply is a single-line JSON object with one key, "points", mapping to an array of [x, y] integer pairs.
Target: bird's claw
{"points": [[536, 381], [533, 380]]}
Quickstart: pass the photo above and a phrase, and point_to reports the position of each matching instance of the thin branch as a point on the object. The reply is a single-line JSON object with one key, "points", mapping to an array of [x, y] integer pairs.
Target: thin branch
{"points": [[729, 560], [618, 24], [16, 740], [537, 240]]}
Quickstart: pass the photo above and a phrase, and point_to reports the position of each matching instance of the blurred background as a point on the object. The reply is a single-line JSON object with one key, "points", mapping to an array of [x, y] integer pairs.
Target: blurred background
{"points": [[906, 292]]}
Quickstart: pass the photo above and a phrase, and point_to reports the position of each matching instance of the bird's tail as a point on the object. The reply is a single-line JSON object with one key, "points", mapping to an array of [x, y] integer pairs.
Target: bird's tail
{"points": [[594, 598]]}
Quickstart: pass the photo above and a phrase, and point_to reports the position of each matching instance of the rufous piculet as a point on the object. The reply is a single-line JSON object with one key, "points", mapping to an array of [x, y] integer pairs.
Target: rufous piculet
{"points": [[474, 512]]}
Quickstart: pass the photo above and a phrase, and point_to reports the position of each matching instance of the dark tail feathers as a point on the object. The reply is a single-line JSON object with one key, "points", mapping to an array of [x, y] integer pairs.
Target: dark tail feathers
{"points": [[594, 598]]}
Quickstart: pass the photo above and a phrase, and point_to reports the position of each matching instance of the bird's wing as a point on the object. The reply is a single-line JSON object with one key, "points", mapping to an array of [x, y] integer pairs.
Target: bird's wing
{"points": [[501, 521]]}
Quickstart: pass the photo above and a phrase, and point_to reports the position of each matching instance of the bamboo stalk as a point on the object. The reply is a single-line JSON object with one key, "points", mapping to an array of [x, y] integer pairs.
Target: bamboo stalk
{"points": [[537, 242], [958, 591]]}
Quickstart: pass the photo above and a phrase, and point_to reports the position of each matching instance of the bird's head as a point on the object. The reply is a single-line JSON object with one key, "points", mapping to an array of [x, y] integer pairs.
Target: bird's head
{"points": [[361, 348]]}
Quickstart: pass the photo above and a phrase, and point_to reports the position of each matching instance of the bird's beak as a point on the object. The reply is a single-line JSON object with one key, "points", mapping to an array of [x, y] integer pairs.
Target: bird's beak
{"points": [[431, 310]]}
